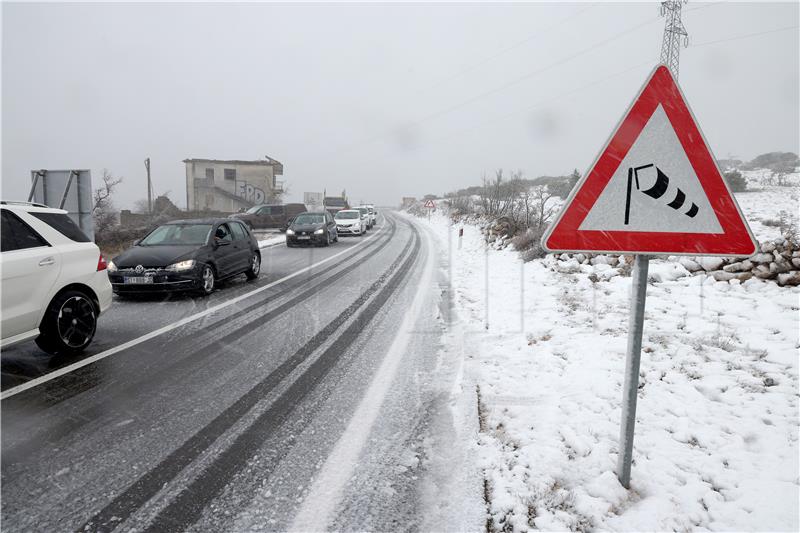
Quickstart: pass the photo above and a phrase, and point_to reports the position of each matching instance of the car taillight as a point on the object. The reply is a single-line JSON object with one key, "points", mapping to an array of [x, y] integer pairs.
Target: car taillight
{"points": [[101, 264]]}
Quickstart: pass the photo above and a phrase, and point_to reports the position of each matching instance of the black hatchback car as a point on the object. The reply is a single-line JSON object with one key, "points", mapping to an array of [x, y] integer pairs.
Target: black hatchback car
{"points": [[186, 255], [312, 228]]}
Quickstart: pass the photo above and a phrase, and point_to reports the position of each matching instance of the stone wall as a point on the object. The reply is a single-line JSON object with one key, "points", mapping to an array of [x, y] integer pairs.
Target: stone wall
{"points": [[777, 260]]}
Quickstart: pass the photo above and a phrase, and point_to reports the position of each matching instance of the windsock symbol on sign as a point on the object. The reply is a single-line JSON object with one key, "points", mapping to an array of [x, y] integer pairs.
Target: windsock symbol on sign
{"points": [[658, 189]]}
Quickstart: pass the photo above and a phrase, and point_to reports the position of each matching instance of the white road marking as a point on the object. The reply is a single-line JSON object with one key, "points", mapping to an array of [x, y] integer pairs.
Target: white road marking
{"points": [[323, 498], [182, 322]]}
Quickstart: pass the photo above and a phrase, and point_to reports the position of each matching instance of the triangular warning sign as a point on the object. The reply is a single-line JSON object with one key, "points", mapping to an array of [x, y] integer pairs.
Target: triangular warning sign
{"points": [[654, 189]]}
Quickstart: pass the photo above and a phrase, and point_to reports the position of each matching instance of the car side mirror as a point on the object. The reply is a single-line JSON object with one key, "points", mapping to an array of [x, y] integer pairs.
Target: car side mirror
{"points": [[136, 242], [218, 243]]}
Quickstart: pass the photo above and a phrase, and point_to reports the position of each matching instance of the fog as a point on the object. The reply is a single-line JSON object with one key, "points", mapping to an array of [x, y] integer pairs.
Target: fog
{"points": [[382, 100]]}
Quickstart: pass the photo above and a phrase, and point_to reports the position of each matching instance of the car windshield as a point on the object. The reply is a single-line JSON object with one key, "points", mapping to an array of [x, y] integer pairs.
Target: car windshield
{"points": [[362, 210], [309, 219], [180, 234], [347, 214]]}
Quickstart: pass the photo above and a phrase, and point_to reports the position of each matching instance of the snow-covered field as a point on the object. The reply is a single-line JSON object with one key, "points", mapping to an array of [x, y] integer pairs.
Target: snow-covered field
{"points": [[716, 443], [764, 203]]}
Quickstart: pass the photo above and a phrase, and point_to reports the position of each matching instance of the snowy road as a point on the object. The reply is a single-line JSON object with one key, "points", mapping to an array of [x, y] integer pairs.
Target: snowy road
{"points": [[225, 421]]}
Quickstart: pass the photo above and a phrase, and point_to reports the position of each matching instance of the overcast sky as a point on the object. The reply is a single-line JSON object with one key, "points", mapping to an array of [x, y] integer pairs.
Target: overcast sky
{"points": [[383, 100]]}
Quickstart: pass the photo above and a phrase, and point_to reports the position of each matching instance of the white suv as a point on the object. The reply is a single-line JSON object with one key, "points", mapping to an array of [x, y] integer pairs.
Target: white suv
{"points": [[54, 279]]}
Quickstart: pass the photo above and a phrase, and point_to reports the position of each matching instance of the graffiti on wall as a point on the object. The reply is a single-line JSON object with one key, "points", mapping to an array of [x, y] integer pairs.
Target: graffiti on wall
{"points": [[250, 193]]}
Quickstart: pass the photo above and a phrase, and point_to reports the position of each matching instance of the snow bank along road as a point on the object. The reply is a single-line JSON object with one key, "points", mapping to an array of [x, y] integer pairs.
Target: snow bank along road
{"points": [[223, 419]]}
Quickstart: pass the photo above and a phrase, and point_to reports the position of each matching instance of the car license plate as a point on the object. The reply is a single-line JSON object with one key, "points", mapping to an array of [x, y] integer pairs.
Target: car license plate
{"points": [[139, 280], [303, 237]]}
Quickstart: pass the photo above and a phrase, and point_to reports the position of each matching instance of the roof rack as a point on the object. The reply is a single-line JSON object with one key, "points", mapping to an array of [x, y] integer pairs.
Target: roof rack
{"points": [[32, 204]]}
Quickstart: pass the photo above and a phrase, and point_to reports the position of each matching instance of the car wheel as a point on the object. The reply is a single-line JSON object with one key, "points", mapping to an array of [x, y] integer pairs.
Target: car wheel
{"points": [[207, 280], [255, 266], [336, 237], [327, 239], [68, 325]]}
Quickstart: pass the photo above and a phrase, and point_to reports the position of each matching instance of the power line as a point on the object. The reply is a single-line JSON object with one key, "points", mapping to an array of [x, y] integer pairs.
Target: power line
{"points": [[554, 65], [514, 46], [745, 36], [534, 73], [705, 6], [511, 83], [482, 62], [560, 96], [596, 82]]}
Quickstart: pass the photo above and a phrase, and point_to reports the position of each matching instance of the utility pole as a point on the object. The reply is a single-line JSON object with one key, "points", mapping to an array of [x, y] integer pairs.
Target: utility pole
{"points": [[149, 187], [670, 56], [673, 31]]}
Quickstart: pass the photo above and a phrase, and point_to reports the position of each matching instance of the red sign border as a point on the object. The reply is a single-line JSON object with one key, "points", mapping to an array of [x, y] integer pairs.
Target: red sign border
{"points": [[736, 240]]}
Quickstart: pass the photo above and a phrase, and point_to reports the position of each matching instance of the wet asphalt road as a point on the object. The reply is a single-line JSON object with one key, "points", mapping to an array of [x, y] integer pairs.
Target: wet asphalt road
{"points": [[221, 424]]}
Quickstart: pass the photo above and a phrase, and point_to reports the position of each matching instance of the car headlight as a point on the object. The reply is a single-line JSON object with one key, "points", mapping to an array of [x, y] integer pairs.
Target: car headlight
{"points": [[289, 231], [111, 267], [181, 265], [320, 231]]}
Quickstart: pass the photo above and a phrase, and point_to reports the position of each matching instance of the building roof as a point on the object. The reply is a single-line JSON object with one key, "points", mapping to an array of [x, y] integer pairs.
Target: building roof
{"points": [[268, 162]]}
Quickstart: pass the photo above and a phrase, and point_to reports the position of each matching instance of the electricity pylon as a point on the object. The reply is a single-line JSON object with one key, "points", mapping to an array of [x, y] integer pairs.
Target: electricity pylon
{"points": [[673, 31]]}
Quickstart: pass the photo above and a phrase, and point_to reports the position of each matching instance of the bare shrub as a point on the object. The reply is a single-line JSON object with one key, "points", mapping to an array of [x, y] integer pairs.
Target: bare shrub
{"points": [[115, 239], [529, 244], [786, 226], [103, 211], [461, 205], [536, 206], [497, 195], [781, 172]]}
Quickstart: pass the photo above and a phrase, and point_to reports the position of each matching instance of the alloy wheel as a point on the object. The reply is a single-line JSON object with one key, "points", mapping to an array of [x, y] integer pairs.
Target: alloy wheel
{"points": [[76, 321], [208, 279]]}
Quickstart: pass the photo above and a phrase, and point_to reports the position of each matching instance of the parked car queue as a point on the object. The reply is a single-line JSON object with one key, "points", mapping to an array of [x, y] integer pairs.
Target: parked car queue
{"points": [[56, 283]]}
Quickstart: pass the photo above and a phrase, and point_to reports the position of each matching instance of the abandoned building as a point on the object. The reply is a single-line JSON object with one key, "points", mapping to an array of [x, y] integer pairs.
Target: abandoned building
{"points": [[229, 186]]}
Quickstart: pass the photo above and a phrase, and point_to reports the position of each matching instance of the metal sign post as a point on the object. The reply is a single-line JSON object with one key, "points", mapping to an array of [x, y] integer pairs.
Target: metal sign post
{"points": [[633, 357]]}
